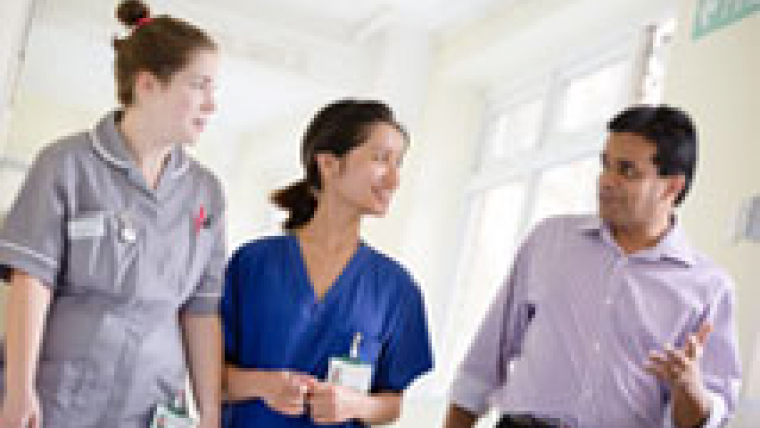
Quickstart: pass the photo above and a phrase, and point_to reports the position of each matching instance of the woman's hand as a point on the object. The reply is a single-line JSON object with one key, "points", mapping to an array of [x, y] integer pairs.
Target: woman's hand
{"points": [[334, 404], [21, 410], [285, 392]]}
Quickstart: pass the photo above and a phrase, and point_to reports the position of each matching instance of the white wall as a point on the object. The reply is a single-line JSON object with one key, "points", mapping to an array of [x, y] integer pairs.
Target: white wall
{"points": [[716, 79]]}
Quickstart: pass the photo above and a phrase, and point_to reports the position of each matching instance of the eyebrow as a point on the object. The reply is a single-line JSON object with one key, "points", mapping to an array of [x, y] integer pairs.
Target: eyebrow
{"points": [[620, 162]]}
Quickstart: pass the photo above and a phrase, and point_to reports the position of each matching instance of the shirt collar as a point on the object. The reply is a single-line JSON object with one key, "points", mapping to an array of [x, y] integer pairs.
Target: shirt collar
{"points": [[673, 246], [109, 144]]}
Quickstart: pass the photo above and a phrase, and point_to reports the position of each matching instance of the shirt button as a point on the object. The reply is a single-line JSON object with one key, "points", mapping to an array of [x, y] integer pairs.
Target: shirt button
{"points": [[597, 347], [608, 301]]}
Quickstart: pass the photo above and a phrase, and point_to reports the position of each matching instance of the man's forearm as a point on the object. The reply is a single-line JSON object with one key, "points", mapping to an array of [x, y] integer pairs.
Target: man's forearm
{"points": [[690, 409], [458, 417]]}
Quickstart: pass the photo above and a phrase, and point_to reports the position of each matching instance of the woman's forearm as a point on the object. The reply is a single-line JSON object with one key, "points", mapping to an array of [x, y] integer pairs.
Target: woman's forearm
{"points": [[203, 342], [380, 408], [27, 306], [243, 384]]}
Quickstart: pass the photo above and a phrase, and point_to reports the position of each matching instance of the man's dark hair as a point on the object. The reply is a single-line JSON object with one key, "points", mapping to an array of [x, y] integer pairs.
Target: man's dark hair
{"points": [[672, 131]]}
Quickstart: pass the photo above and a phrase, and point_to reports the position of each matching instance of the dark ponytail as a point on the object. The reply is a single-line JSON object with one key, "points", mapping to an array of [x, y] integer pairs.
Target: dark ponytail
{"points": [[299, 200], [336, 129]]}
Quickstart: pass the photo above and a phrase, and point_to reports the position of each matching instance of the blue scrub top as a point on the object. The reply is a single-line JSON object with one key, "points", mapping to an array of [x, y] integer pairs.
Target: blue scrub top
{"points": [[273, 321]]}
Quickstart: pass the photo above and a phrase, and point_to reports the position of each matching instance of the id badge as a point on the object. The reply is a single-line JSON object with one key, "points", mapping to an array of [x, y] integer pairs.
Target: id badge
{"points": [[165, 417], [350, 371]]}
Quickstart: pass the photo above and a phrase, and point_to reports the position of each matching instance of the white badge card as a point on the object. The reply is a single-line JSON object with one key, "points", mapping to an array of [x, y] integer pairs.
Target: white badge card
{"points": [[166, 417], [350, 371]]}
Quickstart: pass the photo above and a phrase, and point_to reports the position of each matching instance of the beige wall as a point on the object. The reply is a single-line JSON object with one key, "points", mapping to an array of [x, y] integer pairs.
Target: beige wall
{"points": [[716, 79]]}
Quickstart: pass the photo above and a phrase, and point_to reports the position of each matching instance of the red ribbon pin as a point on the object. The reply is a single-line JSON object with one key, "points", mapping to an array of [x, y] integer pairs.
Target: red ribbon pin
{"points": [[200, 221]]}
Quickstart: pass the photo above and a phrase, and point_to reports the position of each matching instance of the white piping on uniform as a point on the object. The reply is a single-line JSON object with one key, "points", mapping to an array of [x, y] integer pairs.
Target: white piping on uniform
{"points": [[41, 257], [107, 156], [206, 295], [104, 153]]}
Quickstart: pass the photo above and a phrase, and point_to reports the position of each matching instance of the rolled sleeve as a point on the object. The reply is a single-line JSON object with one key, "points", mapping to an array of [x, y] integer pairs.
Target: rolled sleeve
{"points": [[721, 365], [32, 235], [471, 393], [498, 341], [480, 372]]}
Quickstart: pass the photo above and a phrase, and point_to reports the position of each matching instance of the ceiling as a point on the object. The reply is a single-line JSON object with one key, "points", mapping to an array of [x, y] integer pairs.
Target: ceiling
{"points": [[280, 56]]}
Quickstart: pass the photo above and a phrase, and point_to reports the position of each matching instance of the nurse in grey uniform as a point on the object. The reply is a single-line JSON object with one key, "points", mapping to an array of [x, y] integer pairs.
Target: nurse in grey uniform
{"points": [[114, 250]]}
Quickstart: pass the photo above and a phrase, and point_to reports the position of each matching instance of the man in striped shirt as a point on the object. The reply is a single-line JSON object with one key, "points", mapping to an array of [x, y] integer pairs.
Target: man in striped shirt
{"points": [[612, 320]]}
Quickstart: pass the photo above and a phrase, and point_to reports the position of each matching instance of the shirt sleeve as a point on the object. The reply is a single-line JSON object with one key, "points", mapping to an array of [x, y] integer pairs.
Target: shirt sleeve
{"points": [[32, 235], [408, 353], [207, 294], [498, 340], [720, 364]]}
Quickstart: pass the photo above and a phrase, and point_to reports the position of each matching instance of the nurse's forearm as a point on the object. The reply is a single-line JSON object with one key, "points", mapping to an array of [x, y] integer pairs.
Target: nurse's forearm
{"points": [[248, 384], [27, 305], [241, 384], [203, 343], [380, 408]]}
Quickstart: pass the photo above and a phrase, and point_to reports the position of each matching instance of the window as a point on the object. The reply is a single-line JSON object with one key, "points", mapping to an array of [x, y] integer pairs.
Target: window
{"points": [[514, 131], [494, 225], [569, 188], [594, 97]]}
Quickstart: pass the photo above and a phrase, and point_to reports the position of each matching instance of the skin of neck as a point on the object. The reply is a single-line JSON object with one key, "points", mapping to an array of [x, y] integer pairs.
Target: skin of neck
{"points": [[335, 224], [149, 149], [639, 236]]}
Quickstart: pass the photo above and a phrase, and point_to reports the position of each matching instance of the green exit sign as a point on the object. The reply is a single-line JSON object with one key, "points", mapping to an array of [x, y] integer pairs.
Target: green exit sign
{"points": [[715, 14]]}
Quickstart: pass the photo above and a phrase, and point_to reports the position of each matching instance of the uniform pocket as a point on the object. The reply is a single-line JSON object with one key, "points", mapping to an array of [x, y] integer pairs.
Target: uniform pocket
{"points": [[96, 255], [86, 233]]}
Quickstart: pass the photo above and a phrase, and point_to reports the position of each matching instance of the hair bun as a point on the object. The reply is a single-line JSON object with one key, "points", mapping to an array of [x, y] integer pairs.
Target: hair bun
{"points": [[130, 12]]}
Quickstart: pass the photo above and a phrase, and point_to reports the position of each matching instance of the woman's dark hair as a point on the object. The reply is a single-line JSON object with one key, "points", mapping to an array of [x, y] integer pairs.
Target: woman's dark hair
{"points": [[673, 133], [336, 129], [161, 45]]}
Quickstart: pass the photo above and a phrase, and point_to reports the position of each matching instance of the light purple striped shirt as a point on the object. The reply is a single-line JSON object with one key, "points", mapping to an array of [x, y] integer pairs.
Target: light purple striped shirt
{"points": [[569, 333]]}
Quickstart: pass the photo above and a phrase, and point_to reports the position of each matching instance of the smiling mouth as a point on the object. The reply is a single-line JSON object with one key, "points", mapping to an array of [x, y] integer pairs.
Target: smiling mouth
{"points": [[384, 197], [199, 123]]}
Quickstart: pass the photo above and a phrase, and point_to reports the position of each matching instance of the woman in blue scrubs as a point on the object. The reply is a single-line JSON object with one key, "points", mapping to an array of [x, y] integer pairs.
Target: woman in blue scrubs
{"points": [[294, 302]]}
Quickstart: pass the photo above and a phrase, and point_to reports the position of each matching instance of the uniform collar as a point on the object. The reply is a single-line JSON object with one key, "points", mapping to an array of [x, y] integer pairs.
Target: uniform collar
{"points": [[109, 144], [673, 246]]}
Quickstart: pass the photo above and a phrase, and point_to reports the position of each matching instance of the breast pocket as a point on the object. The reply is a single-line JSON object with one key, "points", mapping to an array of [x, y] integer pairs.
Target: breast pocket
{"points": [[97, 258]]}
